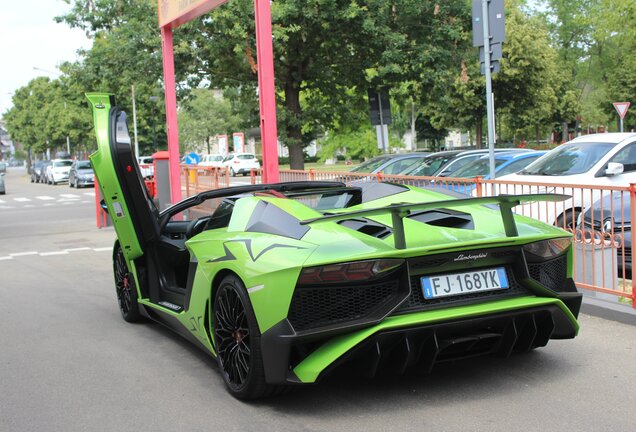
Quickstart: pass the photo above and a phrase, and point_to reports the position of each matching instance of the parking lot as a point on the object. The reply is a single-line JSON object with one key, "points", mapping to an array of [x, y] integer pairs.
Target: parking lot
{"points": [[70, 362]]}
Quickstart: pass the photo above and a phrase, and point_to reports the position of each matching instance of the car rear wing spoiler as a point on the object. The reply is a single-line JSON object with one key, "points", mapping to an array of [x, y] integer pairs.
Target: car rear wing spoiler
{"points": [[400, 211]]}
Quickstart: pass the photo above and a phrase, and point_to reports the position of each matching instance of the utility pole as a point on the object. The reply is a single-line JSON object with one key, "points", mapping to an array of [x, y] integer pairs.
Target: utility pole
{"points": [[488, 34]]}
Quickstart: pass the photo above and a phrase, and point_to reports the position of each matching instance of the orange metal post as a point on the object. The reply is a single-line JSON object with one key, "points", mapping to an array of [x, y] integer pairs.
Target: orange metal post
{"points": [[632, 211]]}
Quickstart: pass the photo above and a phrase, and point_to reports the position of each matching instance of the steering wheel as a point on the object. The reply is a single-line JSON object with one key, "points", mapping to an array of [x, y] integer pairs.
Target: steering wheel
{"points": [[195, 227]]}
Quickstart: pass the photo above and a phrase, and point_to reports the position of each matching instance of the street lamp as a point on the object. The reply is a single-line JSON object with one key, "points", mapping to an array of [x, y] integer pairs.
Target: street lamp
{"points": [[153, 100]]}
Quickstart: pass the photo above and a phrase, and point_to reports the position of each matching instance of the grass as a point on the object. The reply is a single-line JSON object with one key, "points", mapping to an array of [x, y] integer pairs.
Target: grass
{"points": [[625, 285], [339, 167]]}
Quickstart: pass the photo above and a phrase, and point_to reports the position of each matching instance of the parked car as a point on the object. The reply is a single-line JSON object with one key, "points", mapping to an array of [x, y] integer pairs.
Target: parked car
{"points": [[34, 170], [611, 215], [58, 171], [211, 160], [241, 163], [147, 166], [81, 174], [390, 164], [2, 187], [444, 164], [505, 163], [288, 283], [40, 173], [3, 167], [600, 159]]}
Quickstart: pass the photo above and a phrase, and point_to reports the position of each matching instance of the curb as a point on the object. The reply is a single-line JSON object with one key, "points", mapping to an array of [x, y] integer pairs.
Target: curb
{"points": [[608, 310]]}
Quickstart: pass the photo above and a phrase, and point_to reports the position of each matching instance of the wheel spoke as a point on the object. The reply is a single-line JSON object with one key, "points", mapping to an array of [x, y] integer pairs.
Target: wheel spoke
{"points": [[232, 336]]}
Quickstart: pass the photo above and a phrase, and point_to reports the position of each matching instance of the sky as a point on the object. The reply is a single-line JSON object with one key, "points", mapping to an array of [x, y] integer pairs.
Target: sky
{"points": [[30, 38]]}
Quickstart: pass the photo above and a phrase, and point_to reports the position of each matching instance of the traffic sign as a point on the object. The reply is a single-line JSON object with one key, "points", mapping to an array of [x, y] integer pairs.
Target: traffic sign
{"points": [[496, 53], [496, 22], [621, 108], [379, 107], [192, 159]]}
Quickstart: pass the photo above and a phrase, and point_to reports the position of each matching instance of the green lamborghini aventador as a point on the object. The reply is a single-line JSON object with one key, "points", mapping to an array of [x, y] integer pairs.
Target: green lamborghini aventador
{"points": [[287, 283]]}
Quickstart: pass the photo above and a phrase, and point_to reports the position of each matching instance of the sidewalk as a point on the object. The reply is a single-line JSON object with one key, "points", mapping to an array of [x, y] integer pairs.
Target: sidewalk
{"points": [[606, 306]]}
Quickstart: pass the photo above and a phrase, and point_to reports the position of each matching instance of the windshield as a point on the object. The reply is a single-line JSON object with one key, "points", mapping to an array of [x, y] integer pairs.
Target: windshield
{"points": [[246, 156], [429, 166], [569, 159], [480, 167], [83, 165], [371, 164], [62, 164]]}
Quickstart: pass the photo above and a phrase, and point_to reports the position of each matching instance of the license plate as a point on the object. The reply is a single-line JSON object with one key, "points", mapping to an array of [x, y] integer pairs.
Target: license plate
{"points": [[464, 283]]}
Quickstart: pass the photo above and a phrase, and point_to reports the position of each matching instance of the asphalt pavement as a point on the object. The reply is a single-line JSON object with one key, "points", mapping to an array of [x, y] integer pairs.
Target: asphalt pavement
{"points": [[68, 361]]}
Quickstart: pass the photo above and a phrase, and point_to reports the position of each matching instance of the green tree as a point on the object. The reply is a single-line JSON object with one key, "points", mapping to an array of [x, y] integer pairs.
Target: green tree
{"points": [[205, 114], [328, 53], [34, 119]]}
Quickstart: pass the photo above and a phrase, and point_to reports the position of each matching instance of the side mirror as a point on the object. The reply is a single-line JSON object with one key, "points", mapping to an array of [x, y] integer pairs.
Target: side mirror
{"points": [[103, 205], [614, 168]]}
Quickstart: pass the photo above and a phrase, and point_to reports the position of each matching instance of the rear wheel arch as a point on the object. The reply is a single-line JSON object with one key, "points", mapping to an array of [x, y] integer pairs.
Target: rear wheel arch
{"points": [[565, 218]]}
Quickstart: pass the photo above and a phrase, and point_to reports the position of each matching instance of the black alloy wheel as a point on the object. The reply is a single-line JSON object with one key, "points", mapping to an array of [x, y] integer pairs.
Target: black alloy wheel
{"points": [[125, 288], [237, 342]]}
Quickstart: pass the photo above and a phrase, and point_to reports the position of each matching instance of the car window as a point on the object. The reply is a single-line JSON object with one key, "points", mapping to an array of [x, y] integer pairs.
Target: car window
{"points": [[568, 159], [227, 158], [371, 165], [401, 165], [480, 167], [517, 165], [428, 167], [459, 163], [83, 165], [62, 164], [627, 157], [216, 158], [246, 156]]}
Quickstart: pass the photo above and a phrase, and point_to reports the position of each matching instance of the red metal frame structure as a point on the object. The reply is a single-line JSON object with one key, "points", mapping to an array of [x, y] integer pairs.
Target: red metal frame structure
{"points": [[173, 13]]}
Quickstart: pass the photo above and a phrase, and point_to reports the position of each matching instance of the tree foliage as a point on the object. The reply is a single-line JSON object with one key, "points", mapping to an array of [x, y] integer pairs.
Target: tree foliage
{"points": [[568, 59]]}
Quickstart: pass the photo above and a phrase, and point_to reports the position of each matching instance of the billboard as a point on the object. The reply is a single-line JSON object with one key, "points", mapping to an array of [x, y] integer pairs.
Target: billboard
{"points": [[177, 12]]}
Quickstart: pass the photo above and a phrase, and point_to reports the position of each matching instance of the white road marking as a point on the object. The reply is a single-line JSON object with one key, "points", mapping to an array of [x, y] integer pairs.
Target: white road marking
{"points": [[45, 198], [2, 202], [11, 256], [70, 196], [89, 194], [63, 252], [6, 207], [20, 199], [23, 253]]}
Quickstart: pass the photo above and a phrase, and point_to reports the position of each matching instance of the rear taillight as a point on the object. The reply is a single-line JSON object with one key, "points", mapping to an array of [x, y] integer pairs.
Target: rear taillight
{"points": [[348, 272]]}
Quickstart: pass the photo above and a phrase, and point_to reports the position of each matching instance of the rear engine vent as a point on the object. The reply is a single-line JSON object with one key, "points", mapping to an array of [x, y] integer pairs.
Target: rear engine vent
{"points": [[445, 218], [551, 274], [368, 227], [313, 307]]}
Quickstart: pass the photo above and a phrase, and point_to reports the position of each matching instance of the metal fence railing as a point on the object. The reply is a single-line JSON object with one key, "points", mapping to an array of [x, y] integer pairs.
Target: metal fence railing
{"points": [[599, 217]]}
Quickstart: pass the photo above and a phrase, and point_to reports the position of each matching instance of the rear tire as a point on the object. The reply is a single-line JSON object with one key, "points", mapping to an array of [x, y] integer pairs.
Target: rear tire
{"points": [[125, 288], [232, 173], [238, 342]]}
